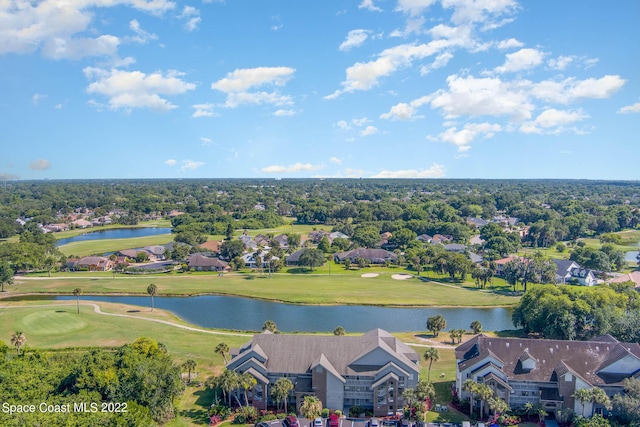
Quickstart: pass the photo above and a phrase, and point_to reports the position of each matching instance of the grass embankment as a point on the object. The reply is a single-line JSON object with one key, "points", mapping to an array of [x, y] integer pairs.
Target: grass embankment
{"points": [[298, 289]]}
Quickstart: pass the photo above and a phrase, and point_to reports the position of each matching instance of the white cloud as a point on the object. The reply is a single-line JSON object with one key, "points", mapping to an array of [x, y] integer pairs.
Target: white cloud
{"points": [[523, 59], [355, 38], [435, 171], [369, 130], [55, 27], [343, 125], [285, 113], [634, 108], [296, 167], [570, 89], [206, 141], [190, 165], [237, 84], [35, 99], [552, 118], [483, 97], [561, 62], [441, 61], [462, 138], [192, 23], [484, 11], [509, 44], [364, 76], [141, 36], [40, 165], [203, 110], [361, 121], [413, 7], [170, 162], [135, 89], [368, 4], [403, 111], [336, 160]]}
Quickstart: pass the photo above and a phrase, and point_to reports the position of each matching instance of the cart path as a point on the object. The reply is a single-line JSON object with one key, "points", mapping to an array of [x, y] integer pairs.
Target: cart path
{"points": [[96, 308]]}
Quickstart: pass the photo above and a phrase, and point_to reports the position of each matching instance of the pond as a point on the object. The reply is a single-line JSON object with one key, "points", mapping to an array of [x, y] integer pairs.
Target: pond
{"points": [[115, 233], [631, 256], [240, 313]]}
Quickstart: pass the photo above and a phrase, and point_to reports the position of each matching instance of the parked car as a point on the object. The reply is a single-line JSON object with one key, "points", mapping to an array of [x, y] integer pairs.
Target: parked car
{"points": [[334, 420], [373, 422], [318, 422], [291, 421], [263, 424]]}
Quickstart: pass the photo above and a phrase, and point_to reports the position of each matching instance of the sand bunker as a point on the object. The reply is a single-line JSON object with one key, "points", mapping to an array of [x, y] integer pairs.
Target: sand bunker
{"points": [[369, 275], [401, 276]]}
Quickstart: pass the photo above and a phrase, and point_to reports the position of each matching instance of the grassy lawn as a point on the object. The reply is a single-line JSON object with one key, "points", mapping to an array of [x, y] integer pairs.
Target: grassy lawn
{"points": [[99, 247], [337, 289], [58, 326]]}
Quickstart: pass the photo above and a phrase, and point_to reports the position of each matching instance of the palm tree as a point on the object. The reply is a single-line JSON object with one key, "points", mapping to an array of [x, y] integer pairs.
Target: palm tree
{"points": [[270, 326], [311, 407], [248, 382], [432, 355], [583, 395], [222, 349], [485, 393], [77, 292], [339, 331], [189, 365], [476, 326], [280, 391], [472, 387], [18, 339], [153, 291]]}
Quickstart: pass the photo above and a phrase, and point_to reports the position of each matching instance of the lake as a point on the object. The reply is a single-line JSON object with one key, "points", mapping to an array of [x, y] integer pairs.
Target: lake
{"points": [[225, 312], [115, 233]]}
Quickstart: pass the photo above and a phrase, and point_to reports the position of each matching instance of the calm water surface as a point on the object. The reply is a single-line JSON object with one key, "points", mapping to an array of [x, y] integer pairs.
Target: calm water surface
{"points": [[249, 314], [117, 233]]}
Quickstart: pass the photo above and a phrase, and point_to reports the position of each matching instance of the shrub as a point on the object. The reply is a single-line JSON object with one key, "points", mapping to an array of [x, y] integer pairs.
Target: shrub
{"points": [[325, 413]]}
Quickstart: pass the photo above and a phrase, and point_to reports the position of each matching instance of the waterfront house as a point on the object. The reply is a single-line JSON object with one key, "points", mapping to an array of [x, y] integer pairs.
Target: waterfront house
{"points": [[370, 370], [546, 372]]}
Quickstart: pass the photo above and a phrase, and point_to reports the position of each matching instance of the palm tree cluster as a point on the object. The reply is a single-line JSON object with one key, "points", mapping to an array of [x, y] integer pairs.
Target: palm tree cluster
{"points": [[232, 382]]}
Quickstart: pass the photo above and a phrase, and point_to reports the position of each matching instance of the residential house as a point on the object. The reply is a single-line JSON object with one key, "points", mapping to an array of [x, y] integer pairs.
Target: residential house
{"points": [[82, 223], [316, 235], [201, 262], [370, 370], [211, 246], [375, 256], [250, 259], [57, 227], [93, 263], [337, 235], [570, 272], [634, 277], [294, 258], [262, 240], [475, 258], [455, 247], [283, 240], [441, 238], [157, 251], [425, 238], [477, 222], [501, 263], [248, 242], [133, 253], [546, 372], [564, 267]]}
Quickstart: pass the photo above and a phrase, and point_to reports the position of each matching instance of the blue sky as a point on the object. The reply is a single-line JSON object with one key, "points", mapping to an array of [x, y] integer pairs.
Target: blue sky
{"points": [[286, 88]]}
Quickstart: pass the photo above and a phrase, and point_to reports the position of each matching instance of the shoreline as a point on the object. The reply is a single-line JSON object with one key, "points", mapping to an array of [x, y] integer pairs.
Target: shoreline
{"points": [[9, 296]]}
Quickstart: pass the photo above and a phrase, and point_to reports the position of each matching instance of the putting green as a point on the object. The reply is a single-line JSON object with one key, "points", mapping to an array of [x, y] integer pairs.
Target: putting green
{"points": [[49, 322]]}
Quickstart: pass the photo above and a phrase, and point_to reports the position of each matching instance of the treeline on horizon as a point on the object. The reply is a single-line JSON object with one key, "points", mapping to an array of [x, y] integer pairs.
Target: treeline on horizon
{"points": [[558, 210]]}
